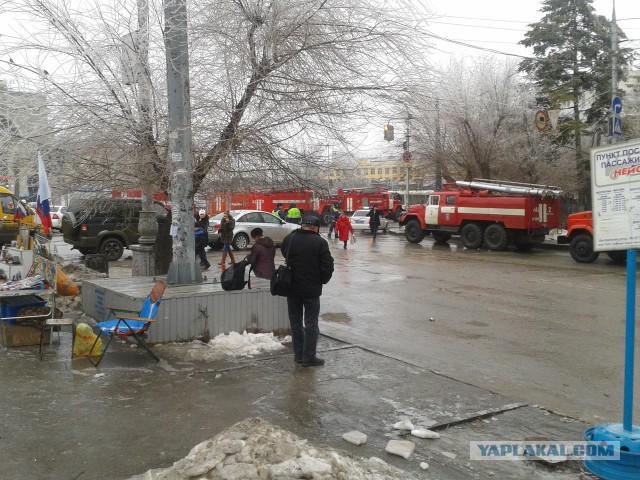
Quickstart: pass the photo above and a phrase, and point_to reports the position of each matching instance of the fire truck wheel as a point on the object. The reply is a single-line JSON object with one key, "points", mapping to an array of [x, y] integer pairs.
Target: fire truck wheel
{"points": [[496, 237], [471, 236], [581, 249], [441, 237], [240, 242], [413, 231]]}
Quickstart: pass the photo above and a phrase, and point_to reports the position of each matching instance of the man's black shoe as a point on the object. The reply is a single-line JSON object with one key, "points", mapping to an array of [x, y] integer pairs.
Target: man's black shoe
{"points": [[297, 360], [314, 362]]}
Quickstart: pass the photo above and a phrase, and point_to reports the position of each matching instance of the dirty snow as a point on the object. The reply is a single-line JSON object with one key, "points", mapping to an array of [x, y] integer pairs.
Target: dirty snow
{"points": [[233, 345], [256, 449]]}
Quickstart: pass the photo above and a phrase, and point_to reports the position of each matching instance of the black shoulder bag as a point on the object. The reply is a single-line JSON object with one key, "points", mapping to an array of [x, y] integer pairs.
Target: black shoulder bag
{"points": [[281, 278]]}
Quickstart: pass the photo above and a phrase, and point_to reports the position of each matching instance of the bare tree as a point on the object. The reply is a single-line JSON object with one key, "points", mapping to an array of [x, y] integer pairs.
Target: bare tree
{"points": [[485, 116], [267, 79]]}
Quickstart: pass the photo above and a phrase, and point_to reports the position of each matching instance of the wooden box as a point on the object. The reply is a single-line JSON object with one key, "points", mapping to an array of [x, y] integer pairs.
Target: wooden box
{"points": [[19, 336]]}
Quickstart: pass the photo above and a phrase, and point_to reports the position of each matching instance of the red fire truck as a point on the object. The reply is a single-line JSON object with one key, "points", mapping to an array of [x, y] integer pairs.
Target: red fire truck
{"points": [[306, 200], [352, 199], [309, 201], [486, 212]]}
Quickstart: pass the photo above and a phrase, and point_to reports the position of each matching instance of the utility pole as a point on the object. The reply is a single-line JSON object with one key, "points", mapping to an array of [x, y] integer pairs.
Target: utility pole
{"points": [[438, 153], [183, 268], [407, 156]]}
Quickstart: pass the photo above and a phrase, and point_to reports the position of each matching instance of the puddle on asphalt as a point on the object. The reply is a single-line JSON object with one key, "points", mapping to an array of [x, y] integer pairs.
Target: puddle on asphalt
{"points": [[336, 317]]}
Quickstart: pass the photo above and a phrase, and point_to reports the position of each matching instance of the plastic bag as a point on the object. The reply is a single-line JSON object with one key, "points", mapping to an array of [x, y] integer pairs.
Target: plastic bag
{"points": [[353, 238], [85, 338], [65, 286]]}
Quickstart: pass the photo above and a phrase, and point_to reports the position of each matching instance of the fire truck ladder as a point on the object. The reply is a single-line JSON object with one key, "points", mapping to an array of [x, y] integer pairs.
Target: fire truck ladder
{"points": [[512, 187]]}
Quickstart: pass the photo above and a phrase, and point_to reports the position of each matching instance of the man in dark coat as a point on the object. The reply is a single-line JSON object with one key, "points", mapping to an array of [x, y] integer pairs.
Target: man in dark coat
{"points": [[202, 237], [311, 266], [374, 220]]}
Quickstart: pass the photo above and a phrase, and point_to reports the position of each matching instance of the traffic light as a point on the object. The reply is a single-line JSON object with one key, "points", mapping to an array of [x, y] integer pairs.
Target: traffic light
{"points": [[388, 132]]}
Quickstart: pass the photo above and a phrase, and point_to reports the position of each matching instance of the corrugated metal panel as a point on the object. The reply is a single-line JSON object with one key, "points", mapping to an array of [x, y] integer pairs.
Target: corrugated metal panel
{"points": [[190, 311]]}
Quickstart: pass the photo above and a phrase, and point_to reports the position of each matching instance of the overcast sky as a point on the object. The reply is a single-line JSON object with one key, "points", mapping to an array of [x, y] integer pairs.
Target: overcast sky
{"points": [[498, 25]]}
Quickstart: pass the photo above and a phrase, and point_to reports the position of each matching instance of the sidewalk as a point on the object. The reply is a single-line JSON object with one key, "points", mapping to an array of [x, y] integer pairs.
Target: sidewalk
{"points": [[64, 419]]}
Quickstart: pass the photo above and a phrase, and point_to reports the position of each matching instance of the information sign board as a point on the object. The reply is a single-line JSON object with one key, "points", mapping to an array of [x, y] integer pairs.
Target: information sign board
{"points": [[615, 196]]}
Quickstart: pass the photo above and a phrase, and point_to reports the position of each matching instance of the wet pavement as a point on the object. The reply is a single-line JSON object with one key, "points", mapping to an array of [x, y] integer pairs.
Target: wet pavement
{"points": [[65, 419]]}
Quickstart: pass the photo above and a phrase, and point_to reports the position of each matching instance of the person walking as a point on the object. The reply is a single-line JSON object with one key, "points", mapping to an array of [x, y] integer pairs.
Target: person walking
{"points": [[262, 254], [227, 224], [374, 220], [202, 223], [311, 266], [201, 245], [344, 228], [294, 215], [334, 213]]}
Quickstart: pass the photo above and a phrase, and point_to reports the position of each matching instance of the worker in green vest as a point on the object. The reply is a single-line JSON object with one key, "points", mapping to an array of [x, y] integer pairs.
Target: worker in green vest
{"points": [[279, 212], [294, 215]]}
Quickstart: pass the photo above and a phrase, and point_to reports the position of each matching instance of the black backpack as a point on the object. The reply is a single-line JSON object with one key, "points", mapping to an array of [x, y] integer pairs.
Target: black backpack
{"points": [[233, 277]]}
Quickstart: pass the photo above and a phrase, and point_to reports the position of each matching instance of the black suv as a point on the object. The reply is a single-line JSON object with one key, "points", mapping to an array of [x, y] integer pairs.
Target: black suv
{"points": [[105, 226]]}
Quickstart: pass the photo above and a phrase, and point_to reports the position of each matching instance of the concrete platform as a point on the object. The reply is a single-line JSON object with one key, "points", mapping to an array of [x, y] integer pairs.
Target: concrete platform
{"points": [[63, 419], [189, 312]]}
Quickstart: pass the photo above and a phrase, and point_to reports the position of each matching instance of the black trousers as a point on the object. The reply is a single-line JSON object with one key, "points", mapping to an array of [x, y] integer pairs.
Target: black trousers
{"points": [[304, 335]]}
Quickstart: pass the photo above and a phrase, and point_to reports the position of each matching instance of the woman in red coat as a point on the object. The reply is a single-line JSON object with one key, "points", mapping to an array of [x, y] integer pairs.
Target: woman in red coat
{"points": [[343, 228]]}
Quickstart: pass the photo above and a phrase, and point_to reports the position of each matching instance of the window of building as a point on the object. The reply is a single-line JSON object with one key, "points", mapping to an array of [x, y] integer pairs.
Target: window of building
{"points": [[386, 171], [395, 169], [380, 171], [373, 171]]}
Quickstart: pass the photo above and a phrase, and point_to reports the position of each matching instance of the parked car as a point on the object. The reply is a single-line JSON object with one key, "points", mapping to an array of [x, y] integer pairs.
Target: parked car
{"points": [[247, 220], [56, 212], [360, 221], [105, 226]]}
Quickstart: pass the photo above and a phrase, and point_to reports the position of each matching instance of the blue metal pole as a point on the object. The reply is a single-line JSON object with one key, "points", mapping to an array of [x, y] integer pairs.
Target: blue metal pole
{"points": [[627, 415]]}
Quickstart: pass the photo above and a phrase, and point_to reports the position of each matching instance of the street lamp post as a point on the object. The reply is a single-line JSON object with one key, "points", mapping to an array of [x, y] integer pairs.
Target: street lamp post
{"points": [[406, 156], [183, 269]]}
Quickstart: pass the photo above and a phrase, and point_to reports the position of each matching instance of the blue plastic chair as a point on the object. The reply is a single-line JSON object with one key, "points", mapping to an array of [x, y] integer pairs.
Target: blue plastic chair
{"points": [[125, 323]]}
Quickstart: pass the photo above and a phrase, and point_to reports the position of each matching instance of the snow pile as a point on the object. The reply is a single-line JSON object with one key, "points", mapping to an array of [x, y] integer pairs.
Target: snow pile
{"points": [[247, 344], [232, 345], [255, 449]]}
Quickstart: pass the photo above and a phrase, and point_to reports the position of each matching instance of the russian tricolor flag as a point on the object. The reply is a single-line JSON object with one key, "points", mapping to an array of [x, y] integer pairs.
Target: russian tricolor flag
{"points": [[44, 197]]}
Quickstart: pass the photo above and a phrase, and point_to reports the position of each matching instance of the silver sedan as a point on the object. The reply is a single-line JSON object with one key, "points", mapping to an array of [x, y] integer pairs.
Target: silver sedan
{"points": [[360, 221], [247, 220]]}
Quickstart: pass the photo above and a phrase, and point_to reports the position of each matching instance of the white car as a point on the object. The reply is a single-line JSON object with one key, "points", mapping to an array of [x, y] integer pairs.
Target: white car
{"points": [[360, 221], [247, 220], [56, 212]]}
